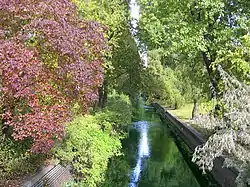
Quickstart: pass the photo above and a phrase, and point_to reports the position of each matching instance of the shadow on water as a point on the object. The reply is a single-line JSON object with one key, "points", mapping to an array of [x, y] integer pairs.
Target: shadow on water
{"points": [[150, 157]]}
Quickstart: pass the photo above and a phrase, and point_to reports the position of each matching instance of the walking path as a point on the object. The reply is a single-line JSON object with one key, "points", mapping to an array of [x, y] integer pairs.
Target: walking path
{"points": [[52, 176]]}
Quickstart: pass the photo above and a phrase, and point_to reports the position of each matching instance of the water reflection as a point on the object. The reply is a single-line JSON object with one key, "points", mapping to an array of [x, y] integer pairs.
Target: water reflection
{"points": [[142, 127], [151, 158], [166, 166]]}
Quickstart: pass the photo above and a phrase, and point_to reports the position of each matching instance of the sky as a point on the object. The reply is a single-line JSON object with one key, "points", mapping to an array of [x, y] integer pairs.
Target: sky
{"points": [[135, 14]]}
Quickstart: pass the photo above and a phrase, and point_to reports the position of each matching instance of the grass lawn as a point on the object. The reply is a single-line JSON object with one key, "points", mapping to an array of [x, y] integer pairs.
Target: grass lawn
{"points": [[184, 113]]}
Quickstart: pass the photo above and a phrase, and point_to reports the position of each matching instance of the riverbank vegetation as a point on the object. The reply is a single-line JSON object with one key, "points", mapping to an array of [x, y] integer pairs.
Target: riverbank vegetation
{"points": [[94, 139], [205, 47], [71, 72], [59, 67]]}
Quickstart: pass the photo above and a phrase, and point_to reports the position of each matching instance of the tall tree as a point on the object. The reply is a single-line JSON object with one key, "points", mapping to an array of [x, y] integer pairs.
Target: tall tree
{"points": [[201, 29], [50, 59], [123, 66], [214, 34]]}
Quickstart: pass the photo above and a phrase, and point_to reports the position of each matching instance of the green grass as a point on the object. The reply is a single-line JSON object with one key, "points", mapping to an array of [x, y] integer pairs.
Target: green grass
{"points": [[184, 113]]}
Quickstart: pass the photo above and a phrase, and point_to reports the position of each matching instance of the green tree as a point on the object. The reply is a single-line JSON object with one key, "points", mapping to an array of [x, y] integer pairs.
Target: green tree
{"points": [[160, 83], [123, 64], [198, 30], [210, 35], [125, 75]]}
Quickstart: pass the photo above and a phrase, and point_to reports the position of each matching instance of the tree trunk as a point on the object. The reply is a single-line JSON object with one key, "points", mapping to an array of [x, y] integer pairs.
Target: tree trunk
{"points": [[99, 103], [211, 74], [195, 111], [103, 94], [175, 105], [5, 129]]}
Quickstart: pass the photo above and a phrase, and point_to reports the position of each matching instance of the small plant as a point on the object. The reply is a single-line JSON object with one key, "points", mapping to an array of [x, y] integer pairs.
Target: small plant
{"points": [[15, 160]]}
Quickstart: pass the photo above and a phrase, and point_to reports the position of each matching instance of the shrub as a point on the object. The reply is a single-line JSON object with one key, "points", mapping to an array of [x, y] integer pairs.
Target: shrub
{"points": [[91, 140], [231, 138], [15, 160], [87, 149]]}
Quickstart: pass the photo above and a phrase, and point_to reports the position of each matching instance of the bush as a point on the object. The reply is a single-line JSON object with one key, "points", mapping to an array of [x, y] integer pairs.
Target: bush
{"points": [[15, 160], [231, 134], [91, 140], [87, 149]]}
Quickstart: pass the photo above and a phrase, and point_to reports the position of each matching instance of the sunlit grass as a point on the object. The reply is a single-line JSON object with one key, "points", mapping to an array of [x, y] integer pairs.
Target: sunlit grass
{"points": [[184, 113]]}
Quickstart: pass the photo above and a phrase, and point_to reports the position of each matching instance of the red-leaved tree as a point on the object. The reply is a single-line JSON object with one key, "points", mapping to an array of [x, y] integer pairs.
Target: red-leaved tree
{"points": [[49, 60]]}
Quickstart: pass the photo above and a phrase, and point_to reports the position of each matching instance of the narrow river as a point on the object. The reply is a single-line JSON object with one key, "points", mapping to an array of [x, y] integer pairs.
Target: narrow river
{"points": [[158, 160], [143, 150], [150, 157]]}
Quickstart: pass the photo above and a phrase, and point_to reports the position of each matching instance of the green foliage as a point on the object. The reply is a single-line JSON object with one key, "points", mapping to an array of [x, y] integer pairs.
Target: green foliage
{"points": [[125, 72], [91, 140], [161, 83], [121, 105], [111, 13], [117, 173], [236, 60], [123, 66], [15, 160], [194, 34], [87, 149]]}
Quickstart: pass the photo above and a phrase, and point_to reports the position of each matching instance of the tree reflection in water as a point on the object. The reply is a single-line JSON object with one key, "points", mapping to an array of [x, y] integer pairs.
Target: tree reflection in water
{"points": [[150, 159]]}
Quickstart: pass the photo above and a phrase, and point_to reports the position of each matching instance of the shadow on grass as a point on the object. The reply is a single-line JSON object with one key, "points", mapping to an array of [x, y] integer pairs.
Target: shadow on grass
{"points": [[204, 132]]}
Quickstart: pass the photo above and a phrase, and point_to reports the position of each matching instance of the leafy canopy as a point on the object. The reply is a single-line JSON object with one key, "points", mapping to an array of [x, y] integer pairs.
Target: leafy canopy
{"points": [[49, 60]]}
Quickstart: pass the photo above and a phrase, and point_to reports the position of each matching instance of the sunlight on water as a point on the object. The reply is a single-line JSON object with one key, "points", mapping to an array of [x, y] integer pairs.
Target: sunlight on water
{"points": [[135, 13], [143, 147]]}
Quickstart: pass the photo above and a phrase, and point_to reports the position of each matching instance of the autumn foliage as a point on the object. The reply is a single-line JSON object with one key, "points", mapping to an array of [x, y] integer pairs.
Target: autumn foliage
{"points": [[49, 60]]}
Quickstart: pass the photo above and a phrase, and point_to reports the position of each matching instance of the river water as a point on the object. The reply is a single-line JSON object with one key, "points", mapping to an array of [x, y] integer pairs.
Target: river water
{"points": [[158, 160], [150, 157]]}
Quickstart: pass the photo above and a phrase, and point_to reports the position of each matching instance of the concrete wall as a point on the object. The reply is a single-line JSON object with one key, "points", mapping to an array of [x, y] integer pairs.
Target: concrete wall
{"points": [[224, 177]]}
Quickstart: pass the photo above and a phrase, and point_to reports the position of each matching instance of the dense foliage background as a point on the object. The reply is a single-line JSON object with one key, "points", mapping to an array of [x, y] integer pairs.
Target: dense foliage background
{"points": [[206, 45], [54, 56], [70, 72]]}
